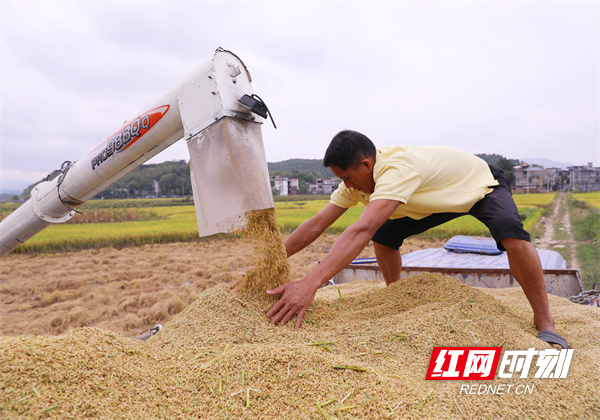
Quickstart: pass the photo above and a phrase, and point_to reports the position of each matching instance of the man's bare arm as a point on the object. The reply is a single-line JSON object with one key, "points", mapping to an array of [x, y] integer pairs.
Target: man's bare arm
{"points": [[299, 294], [312, 228]]}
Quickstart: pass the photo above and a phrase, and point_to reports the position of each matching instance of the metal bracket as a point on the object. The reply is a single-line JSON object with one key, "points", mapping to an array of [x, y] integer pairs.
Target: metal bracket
{"points": [[40, 213]]}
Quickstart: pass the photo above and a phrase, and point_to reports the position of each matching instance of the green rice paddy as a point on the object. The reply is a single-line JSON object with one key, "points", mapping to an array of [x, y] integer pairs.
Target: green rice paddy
{"points": [[176, 222], [592, 198]]}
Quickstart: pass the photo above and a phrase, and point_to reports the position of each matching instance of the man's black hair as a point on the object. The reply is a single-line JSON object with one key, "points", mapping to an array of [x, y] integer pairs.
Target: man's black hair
{"points": [[347, 148]]}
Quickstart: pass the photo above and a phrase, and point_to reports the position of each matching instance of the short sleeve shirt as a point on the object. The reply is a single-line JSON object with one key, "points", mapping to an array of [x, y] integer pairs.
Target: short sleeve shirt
{"points": [[425, 179]]}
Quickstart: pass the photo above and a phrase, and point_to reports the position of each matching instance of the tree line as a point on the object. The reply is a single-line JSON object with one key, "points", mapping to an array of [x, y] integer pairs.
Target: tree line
{"points": [[173, 177]]}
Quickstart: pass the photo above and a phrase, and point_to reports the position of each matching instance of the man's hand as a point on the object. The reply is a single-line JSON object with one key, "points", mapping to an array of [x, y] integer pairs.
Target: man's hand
{"points": [[297, 297]]}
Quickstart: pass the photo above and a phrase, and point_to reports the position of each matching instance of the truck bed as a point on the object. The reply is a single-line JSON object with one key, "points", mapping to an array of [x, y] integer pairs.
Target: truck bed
{"points": [[473, 269]]}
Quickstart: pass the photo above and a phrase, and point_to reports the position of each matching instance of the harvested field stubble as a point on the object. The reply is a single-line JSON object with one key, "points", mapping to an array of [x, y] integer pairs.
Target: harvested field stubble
{"points": [[130, 290], [362, 353]]}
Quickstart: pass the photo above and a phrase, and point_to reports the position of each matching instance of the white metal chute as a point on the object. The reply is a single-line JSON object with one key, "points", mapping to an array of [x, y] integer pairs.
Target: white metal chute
{"points": [[207, 96], [229, 175]]}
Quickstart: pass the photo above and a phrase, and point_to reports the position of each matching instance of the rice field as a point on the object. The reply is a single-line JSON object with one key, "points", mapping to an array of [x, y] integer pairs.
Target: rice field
{"points": [[533, 200], [175, 221], [592, 198]]}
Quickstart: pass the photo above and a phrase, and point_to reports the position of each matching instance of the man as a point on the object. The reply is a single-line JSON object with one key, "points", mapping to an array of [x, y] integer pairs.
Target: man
{"points": [[408, 190]]}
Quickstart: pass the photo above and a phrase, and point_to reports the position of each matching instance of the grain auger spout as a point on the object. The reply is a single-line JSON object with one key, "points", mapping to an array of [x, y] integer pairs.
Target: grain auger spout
{"points": [[214, 109]]}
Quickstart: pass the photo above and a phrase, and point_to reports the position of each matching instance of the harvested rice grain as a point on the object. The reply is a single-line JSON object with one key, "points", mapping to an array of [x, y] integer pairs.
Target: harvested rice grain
{"points": [[362, 353], [220, 358]]}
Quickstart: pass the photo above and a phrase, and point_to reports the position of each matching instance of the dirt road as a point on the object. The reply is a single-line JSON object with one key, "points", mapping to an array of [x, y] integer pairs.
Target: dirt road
{"points": [[557, 232]]}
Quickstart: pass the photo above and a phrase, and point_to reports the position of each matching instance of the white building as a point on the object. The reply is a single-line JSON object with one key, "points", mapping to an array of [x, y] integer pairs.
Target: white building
{"points": [[285, 186], [324, 186]]}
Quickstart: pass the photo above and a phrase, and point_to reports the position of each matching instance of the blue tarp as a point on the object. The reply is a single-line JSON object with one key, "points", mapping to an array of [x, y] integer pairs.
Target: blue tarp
{"points": [[442, 258]]}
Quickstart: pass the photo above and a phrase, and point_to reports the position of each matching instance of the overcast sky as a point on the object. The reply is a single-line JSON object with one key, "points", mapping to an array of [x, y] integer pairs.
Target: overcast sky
{"points": [[517, 78]]}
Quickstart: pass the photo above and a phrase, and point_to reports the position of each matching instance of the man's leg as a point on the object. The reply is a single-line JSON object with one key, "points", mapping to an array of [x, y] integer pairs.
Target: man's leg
{"points": [[500, 214], [390, 262], [388, 240], [526, 267]]}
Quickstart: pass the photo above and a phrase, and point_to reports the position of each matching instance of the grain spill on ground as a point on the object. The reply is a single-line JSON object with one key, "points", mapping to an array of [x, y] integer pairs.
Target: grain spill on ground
{"points": [[220, 358]]}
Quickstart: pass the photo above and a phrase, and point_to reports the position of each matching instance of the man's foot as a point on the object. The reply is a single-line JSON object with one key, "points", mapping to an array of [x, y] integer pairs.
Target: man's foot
{"points": [[552, 338]]}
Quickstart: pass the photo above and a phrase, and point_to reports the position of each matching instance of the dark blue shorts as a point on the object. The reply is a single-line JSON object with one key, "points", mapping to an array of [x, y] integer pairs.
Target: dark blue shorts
{"points": [[497, 210]]}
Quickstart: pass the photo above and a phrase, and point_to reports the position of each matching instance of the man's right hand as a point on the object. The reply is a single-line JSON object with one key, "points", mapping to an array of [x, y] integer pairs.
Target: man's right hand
{"points": [[297, 297]]}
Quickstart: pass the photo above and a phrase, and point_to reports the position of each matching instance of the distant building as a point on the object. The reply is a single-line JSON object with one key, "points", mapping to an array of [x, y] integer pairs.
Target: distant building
{"points": [[323, 186], [584, 178], [156, 188], [285, 186], [293, 186], [536, 179]]}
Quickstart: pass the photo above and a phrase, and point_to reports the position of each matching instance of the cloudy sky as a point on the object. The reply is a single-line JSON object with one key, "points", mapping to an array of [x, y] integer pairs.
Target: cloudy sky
{"points": [[517, 78]]}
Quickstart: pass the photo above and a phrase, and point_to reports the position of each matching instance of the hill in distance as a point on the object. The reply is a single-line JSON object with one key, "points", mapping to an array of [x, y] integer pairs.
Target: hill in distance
{"points": [[547, 163], [174, 177], [310, 165]]}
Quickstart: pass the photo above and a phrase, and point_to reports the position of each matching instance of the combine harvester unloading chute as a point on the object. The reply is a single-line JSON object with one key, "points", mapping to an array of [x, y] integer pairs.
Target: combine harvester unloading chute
{"points": [[214, 109]]}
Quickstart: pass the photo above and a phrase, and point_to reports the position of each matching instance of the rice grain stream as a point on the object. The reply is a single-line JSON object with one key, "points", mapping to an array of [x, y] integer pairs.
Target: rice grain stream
{"points": [[271, 268]]}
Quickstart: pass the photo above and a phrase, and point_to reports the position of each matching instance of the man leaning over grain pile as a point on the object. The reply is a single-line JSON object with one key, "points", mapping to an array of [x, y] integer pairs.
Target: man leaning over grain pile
{"points": [[408, 190]]}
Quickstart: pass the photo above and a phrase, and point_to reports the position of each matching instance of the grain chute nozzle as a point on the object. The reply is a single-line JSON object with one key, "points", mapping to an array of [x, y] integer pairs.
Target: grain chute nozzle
{"points": [[229, 175]]}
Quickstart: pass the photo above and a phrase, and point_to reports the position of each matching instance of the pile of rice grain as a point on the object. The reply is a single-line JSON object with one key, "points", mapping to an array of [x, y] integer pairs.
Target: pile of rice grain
{"points": [[362, 353]]}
